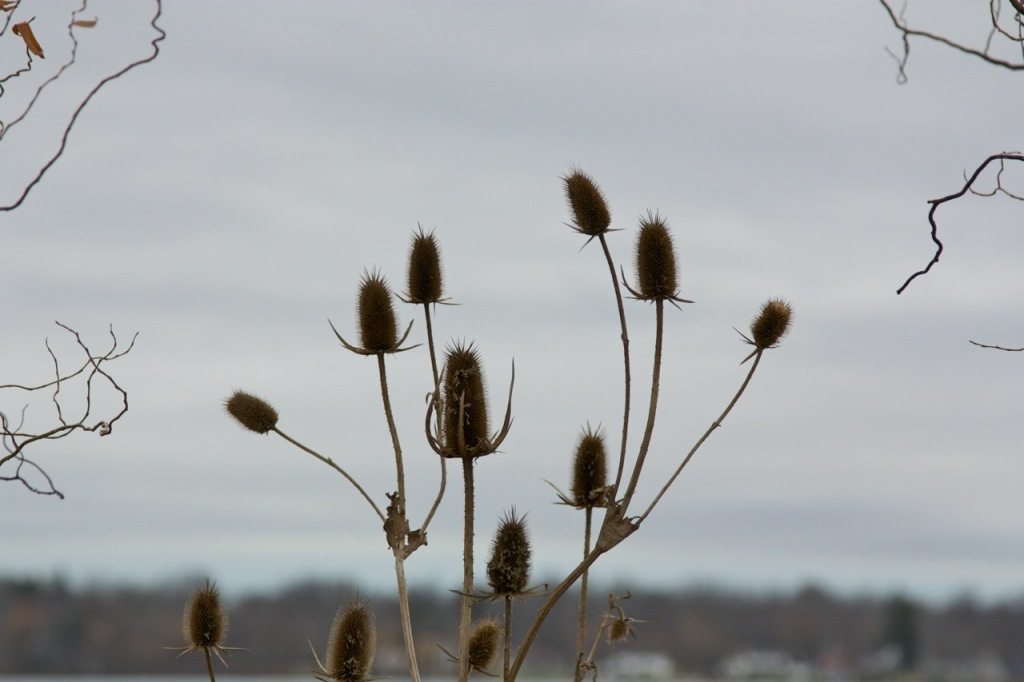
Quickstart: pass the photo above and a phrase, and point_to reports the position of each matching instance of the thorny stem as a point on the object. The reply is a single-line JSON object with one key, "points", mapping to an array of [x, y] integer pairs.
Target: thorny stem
{"points": [[403, 605], [331, 463], [625, 361], [209, 663], [437, 409], [399, 468], [507, 637], [652, 410], [466, 611], [581, 625], [714, 425]]}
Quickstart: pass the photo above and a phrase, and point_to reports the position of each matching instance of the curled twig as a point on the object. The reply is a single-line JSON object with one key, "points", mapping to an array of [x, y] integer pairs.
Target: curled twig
{"points": [[985, 54], [16, 438], [155, 44]]}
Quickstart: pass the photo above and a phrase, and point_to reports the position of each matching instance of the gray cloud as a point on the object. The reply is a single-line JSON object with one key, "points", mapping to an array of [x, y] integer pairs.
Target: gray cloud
{"points": [[224, 201]]}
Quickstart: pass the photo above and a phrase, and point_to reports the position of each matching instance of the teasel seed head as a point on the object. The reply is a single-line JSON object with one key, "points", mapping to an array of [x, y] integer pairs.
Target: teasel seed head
{"points": [[619, 630], [205, 622], [589, 209], [251, 412], [589, 469], [463, 391], [655, 261], [378, 327], [771, 323], [483, 644], [424, 277], [351, 645], [509, 566]]}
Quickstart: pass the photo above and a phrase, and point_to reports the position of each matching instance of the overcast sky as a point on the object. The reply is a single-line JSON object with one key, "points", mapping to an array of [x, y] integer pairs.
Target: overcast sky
{"points": [[224, 201]]}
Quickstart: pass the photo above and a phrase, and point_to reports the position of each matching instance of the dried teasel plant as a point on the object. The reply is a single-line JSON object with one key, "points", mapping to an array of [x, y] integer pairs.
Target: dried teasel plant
{"points": [[463, 433], [458, 426], [205, 626], [508, 571], [351, 646]]}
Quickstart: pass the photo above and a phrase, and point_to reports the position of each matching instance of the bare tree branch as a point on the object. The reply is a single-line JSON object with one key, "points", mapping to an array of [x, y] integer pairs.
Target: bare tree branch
{"points": [[935, 203], [985, 53], [985, 345], [16, 438], [154, 43]]}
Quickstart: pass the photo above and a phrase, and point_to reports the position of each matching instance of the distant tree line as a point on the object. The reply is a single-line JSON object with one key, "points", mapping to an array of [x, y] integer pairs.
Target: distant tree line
{"points": [[48, 627]]}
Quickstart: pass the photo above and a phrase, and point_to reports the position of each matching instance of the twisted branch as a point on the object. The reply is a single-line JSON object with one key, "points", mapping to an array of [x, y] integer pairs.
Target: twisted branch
{"points": [[16, 437]]}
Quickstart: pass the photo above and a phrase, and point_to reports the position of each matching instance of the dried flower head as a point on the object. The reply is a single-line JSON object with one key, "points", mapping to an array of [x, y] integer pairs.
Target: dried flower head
{"points": [[424, 277], [251, 412], [205, 622], [656, 277], [619, 630], [483, 644], [351, 645], [589, 209], [465, 402], [771, 323], [378, 327], [589, 469], [509, 566]]}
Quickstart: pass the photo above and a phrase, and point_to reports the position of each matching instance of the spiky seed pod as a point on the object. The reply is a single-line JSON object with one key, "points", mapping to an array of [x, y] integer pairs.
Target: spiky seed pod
{"points": [[619, 630], [351, 645], [771, 323], [464, 385], [483, 644], [205, 622], [425, 285], [655, 260], [589, 209], [251, 412], [509, 566], [589, 469], [378, 327]]}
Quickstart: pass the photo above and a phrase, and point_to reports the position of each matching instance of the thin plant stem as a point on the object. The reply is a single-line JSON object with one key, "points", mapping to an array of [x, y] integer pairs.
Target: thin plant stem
{"points": [[652, 409], [696, 446], [403, 591], [545, 611], [625, 361], [507, 636], [466, 611], [209, 663], [403, 605], [437, 411], [581, 625], [399, 468], [605, 620], [331, 463]]}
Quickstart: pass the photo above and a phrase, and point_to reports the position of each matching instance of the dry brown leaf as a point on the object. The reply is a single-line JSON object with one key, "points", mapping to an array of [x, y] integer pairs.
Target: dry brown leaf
{"points": [[84, 23], [25, 31], [7, 5]]}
